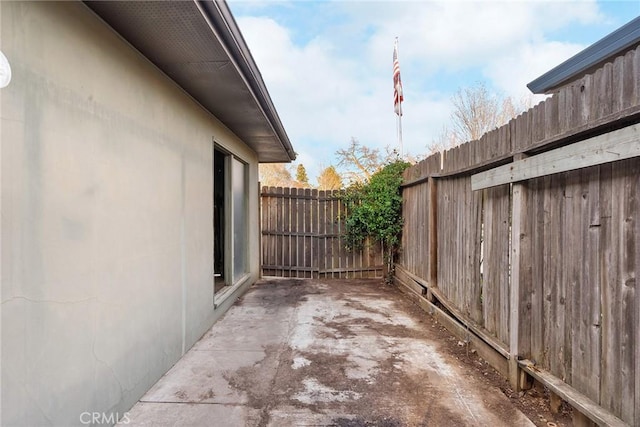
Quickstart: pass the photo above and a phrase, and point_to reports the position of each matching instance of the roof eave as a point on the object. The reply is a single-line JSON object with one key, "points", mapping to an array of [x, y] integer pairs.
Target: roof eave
{"points": [[229, 33], [618, 41]]}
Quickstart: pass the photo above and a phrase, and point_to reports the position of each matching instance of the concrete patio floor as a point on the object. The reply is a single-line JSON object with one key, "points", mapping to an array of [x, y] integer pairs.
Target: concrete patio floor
{"points": [[311, 352]]}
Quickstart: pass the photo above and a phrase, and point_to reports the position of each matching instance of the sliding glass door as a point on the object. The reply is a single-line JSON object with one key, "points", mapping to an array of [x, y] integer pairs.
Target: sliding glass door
{"points": [[230, 219], [239, 207]]}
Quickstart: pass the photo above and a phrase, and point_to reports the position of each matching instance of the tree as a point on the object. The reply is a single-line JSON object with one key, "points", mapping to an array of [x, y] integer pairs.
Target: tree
{"points": [[476, 111], [275, 175], [444, 141], [359, 161], [329, 179], [301, 175]]}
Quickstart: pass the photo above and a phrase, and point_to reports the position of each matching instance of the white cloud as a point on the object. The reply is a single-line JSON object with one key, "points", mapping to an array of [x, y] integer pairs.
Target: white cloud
{"points": [[511, 73], [335, 84]]}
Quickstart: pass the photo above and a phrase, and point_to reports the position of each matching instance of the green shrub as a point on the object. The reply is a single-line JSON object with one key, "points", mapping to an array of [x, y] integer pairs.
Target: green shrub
{"points": [[374, 210]]}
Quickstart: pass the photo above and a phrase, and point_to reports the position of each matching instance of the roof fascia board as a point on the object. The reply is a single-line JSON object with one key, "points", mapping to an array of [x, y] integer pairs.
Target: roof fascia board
{"points": [[619, 40], [223, 25]]}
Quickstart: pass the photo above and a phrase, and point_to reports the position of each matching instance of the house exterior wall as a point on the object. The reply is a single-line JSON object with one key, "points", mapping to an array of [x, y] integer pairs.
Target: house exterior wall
{"points": [[107, 237]]}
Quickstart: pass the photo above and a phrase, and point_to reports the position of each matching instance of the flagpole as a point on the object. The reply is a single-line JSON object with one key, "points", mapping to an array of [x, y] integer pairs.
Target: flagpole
{"points": [[400, 132], [398, 95]]}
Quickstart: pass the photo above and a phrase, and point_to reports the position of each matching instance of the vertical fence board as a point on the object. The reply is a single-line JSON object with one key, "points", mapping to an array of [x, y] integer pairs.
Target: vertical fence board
{"points": [[322, 230], [628, 179], [536, 347], [295, 239], [586, 361], [635, 325], [496, 262], [475, 291], [550, 234], [336, 239], [610, 372], [553, 282], [571, 238], [286, 228], [264, 221]]}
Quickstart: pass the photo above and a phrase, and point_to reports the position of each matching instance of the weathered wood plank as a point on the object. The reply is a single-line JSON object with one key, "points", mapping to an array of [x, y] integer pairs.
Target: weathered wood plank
{"points": [[583, 404], [610, 378], [554, 259], [315, 241], [475, 231], [301, 201], [591, 295], [405, 277], [331, 250], [468, 323], [517, 232], [619, 84], [617, 145], [322, 233], [432, 229], [495, 293], [603, 102], [536, 192], [264, 212], [309, 228], [583, 278], [635, 331], [291, 269], [551, 119], [442, 234], [273, 220], [628, 176], [548, 277], [286, 228], [572, 261]]}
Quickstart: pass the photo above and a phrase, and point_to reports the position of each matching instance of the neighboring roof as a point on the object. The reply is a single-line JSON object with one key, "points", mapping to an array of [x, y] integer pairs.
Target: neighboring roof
{"points": [[590, 58], [199, 45]]}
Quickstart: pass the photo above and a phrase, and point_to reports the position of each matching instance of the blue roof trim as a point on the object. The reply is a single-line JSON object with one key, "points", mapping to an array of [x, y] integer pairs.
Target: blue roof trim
{"points": [[617, 41]]}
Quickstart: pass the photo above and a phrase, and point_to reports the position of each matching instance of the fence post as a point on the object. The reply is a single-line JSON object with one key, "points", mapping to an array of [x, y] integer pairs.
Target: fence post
{"points": [[520, 281]]}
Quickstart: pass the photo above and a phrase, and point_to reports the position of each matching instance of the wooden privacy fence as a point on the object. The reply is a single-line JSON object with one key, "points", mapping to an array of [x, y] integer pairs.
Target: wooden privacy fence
{"points": [[530, 239], [303, 236]]}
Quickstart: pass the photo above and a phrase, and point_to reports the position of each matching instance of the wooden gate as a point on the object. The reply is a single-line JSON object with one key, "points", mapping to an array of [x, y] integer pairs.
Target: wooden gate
{"points": [[303, 236]]}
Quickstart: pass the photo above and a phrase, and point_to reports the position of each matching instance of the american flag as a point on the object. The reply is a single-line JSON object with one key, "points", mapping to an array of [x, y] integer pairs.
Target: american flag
{"points": [[397, 83]]}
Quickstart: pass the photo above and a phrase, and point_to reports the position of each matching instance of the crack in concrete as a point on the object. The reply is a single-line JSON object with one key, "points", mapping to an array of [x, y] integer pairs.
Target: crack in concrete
{"points": [[41, 301]]}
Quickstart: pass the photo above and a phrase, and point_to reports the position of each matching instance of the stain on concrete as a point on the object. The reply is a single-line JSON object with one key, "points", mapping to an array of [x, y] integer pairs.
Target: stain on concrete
{"points": [[352, 353]]}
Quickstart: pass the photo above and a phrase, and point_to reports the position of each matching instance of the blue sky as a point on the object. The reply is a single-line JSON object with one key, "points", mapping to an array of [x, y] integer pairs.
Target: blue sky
{"points": [[328, 64]]}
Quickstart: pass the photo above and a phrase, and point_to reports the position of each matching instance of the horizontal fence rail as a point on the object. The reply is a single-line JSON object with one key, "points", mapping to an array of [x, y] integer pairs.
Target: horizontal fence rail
{"points": [[530, 239]]}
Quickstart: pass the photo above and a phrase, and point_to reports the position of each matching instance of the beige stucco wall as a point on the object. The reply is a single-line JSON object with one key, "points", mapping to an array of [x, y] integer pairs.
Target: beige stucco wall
{"points": [[107, 240]]}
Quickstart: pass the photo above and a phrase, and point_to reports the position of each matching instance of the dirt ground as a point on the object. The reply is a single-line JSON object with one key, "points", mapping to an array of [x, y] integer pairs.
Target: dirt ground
{"points": [[533, 403], [345, 353]]}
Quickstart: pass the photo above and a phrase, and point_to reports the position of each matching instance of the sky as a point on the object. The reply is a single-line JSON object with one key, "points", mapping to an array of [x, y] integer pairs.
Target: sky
{"points": [[328, 64]]}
